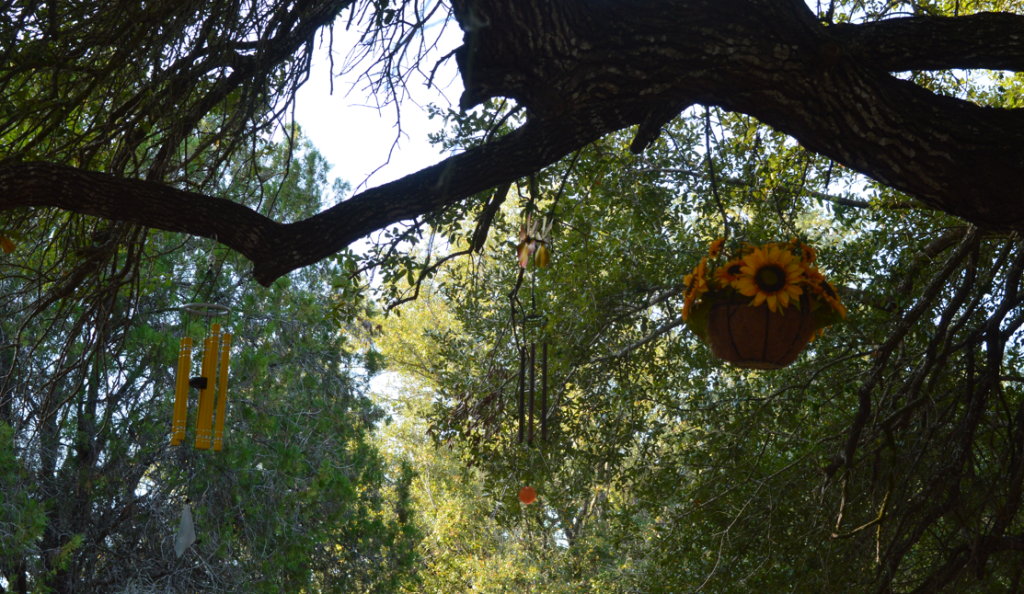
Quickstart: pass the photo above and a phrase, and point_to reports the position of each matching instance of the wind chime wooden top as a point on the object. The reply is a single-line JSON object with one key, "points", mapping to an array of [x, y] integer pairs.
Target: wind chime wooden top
{"points": [[212, 381]]}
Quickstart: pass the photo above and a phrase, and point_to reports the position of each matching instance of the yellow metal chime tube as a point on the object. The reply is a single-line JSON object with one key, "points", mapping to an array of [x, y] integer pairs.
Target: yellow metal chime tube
{"points": [[181, 391], [222, 392], [212, 385], [204, 422]]}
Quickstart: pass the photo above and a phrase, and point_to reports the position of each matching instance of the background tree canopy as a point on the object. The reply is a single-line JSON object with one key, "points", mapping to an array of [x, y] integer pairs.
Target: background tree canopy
{"points": [[890, 458], [92, 494]]}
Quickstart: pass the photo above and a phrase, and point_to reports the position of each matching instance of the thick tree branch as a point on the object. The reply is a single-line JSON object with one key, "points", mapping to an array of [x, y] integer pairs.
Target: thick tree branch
{"points": [[769, 59], [987, 40], [584, 70], [277, 249], [146, 203]]}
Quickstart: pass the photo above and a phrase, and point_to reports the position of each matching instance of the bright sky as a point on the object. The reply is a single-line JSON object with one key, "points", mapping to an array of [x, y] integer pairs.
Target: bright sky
{"points": [[354, 136]]}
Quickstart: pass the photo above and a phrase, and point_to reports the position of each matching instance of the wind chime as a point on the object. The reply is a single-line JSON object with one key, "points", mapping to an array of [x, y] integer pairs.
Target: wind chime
{"points": [[212, 386], [532, 246], [213, 393]]}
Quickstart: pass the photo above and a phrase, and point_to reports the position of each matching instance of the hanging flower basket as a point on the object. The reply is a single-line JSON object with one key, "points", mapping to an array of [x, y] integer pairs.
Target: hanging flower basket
{"points": [[757, 337], [762, 306]]}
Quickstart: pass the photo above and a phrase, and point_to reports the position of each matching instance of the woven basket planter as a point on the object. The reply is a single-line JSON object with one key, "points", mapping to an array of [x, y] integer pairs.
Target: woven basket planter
{"points": [[757, 338]]}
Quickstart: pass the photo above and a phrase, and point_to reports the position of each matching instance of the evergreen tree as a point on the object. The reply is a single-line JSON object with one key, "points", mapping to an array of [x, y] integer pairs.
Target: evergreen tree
{"points": [[298, 499]]}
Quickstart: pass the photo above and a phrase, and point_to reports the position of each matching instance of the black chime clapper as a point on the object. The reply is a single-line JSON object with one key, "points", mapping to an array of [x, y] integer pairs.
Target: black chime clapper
{"points": [[198, 383]]}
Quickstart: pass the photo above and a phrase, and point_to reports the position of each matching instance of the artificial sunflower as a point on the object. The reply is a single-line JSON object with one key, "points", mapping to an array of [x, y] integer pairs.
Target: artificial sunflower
{"points": [[696, 285], [770, 276], [730, 310], [728, 273], [716, 247], [813, 275], [827, 291], [808, 253]]}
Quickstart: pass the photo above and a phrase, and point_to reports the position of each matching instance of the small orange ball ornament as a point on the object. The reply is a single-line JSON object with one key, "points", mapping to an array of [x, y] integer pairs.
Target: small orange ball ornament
{"points": [[527, 495]]}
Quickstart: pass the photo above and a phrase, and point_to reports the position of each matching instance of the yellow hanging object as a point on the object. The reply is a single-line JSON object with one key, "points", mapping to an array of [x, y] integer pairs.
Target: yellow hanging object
{"points": [[181, 391], [543, 258], [204, 422], [222, 392]]}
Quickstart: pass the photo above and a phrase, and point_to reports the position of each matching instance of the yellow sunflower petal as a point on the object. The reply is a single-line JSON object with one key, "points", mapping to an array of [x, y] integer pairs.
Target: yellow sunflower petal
{"points": [[746, 286], [716, 247]]}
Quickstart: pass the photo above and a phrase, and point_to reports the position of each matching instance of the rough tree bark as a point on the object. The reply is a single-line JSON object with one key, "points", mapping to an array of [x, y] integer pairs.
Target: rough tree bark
{"points": [[586, 69]]}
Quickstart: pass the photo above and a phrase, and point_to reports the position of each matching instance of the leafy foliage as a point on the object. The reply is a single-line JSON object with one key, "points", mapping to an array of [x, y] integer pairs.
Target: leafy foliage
{"points": [[888, 459], [299, 499], [884, 460]]}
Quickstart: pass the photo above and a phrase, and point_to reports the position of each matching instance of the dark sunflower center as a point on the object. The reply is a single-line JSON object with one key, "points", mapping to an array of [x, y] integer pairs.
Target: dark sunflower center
{"points": [[734, 270], [770, 278]]}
